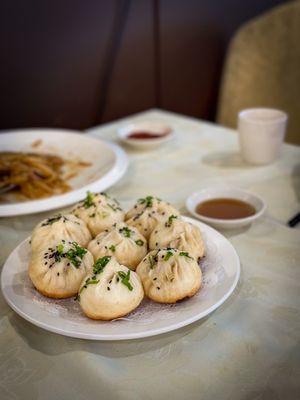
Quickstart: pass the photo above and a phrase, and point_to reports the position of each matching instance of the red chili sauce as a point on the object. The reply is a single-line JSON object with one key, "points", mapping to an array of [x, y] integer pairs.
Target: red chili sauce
{"points": [[145, 135]]}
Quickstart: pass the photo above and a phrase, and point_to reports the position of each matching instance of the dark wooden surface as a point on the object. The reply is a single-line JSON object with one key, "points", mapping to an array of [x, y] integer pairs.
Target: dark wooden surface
{"points": [[75, 63]]}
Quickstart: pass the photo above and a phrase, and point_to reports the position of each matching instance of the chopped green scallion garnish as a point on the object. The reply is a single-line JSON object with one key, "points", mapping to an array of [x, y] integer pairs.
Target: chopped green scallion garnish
{"points": [[147, 201], [98, 267], [59, 252], [74, 254], [168, 255], [60, 248], [125, 231], [100, 264], [185, 254], [125, 279], [89, 281], [112, 248], [89, 200], [170, 220]]}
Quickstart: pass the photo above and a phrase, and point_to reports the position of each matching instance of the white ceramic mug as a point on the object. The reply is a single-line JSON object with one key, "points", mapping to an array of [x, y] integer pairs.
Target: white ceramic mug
{"points": [[261, 134]]}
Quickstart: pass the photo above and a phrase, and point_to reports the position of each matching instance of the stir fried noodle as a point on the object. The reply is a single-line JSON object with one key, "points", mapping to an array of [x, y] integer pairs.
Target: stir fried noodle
{"points": [[33, 175]]}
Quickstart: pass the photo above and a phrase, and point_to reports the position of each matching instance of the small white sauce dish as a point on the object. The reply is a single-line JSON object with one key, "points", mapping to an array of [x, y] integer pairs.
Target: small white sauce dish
{"points": [[221, 192], [163, 131]]}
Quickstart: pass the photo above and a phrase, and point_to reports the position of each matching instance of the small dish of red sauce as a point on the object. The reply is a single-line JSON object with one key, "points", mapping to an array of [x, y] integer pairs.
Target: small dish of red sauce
{"points": [[145, 135]]}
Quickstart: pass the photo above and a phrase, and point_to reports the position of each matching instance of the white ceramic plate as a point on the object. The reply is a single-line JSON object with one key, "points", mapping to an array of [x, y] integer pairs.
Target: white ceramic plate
{"points": [[218, 192], [109, 163], [221, 270], [144, 144]]}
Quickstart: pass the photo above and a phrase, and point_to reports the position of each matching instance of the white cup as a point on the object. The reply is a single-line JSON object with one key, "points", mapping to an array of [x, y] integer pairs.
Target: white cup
{"points": [[261, 134]]}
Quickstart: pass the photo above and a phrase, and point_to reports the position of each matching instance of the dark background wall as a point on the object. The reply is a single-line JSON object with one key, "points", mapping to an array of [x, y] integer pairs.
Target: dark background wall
{"points": [[76, 63]]}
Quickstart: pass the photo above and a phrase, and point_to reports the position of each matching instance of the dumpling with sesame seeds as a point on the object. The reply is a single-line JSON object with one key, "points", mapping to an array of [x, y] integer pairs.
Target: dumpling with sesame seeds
{"points": [[110, 291], [99, 211], [169, 275], [177, 233], [122, 241], [147, 213], [57, 271], [58, 227]]}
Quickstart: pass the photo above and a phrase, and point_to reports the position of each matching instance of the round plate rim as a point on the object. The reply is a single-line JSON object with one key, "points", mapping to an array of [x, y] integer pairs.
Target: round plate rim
{"points": [[51, 203], [139, 335]]}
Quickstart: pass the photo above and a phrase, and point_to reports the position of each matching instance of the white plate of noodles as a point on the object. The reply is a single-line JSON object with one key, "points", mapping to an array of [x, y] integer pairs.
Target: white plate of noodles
{"points": [[45, 169], [220, 268]]}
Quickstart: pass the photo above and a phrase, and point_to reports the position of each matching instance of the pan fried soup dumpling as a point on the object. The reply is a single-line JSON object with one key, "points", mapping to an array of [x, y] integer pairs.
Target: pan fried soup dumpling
{"points": [[50, 231], [110, 291], [178, 234], [99, 211], [122, 241], [169, 275], [58, 271], [147, 212]]}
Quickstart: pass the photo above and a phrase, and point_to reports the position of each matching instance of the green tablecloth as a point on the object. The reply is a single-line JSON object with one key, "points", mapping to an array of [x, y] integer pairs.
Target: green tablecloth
{"points": [[247, 349]]}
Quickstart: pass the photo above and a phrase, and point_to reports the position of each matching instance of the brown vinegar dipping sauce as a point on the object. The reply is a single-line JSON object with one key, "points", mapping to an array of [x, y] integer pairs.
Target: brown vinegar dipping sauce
{"points": [[146, 135], [225, 208]]}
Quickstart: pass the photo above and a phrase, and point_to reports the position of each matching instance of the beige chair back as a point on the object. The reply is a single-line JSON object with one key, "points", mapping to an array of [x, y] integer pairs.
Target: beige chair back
{"points": [[262, 68]]}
